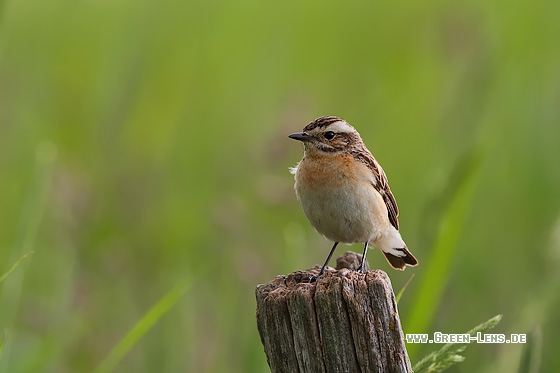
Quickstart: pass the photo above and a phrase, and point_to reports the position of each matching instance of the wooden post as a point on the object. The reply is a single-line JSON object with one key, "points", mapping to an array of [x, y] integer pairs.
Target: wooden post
{"points": [[344, 322]]}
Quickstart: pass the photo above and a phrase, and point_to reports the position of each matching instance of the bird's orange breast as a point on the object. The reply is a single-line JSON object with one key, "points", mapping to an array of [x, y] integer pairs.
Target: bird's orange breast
{"points": [[331, 171]]}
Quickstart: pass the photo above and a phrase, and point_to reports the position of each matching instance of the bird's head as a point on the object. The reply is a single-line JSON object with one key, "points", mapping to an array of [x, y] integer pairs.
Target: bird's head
{"points": [[328, 136]]}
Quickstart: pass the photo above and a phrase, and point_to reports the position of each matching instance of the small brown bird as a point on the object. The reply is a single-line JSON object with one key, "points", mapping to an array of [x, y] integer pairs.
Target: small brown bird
{"points": [[344, 192]]}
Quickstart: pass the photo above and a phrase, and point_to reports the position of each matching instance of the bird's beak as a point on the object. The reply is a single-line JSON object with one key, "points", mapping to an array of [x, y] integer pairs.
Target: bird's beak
{"points": [[301, 136]]}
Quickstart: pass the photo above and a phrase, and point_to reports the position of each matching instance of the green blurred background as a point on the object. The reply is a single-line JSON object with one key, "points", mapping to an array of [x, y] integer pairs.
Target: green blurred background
{"points": [[144, 145]]}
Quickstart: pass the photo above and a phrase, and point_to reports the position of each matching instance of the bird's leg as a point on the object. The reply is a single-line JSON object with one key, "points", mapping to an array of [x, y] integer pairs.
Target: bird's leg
{"points": [[361, 267], [314, 277]]}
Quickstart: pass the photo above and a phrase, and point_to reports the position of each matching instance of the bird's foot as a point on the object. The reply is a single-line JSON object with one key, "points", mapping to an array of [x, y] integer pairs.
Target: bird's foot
{"points": [[313, 278]]}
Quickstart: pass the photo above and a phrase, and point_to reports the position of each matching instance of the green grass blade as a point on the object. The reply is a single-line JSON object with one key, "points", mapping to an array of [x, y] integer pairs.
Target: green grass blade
{"points": [[36, 199], [399, 295], [25, 237], [143, 326], [532, 353], [14, 266], [436, 270], [449, 354], [3, 342]]}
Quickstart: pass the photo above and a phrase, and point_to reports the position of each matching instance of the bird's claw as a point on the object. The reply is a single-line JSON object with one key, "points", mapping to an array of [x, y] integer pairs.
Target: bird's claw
{"points": [[313, 278]]}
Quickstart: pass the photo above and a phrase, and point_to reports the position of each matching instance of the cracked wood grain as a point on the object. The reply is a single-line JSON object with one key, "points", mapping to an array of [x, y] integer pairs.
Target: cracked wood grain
{"points": [[345, 322]]}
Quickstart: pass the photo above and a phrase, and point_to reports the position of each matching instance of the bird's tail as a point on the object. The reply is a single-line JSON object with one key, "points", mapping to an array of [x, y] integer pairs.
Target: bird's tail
{"points": [[400, 262]]}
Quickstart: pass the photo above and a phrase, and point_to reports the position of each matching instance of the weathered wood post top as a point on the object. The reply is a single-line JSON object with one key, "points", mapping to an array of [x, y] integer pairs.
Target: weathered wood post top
{"points": [[346, 321]]}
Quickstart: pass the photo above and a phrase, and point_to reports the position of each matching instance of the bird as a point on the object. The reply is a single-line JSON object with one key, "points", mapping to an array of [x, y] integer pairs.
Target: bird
{"points": [[345, 193]]}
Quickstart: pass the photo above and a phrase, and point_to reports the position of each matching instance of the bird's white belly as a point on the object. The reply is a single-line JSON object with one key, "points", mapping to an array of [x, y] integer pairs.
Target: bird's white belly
{"points": [[345, 213]]}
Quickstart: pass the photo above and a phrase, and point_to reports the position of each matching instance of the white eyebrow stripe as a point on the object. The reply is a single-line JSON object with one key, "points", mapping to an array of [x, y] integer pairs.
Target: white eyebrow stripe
{"points": [[340, 126]]}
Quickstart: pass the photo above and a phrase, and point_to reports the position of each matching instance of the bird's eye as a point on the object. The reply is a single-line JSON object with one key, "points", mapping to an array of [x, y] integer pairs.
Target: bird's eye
{"points": [[329, 135]]}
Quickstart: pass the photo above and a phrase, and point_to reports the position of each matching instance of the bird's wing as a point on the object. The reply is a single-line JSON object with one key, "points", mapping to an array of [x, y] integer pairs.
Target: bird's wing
{"points": [[380, 183]]}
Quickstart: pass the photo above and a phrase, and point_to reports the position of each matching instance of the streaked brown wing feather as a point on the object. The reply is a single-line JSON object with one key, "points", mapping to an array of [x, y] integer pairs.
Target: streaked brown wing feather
{"points": [[382, 185]]}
